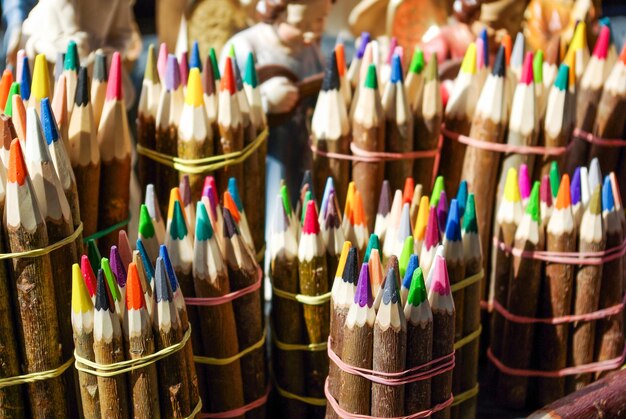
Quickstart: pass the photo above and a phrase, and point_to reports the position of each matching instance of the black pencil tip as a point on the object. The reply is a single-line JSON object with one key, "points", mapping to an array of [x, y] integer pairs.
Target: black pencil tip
{"points": [[331, 74], [499, 67], [82, 87], [351, 270], [102, 292], [100, 67], [230, 227]]}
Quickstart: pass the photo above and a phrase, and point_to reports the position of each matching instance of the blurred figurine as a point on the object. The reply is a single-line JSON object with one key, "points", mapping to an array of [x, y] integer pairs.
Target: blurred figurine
{"points": [[14, 13], [286, 46]]}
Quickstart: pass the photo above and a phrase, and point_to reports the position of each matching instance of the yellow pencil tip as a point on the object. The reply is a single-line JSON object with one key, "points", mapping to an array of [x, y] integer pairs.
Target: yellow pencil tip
{"points": [[469, 60], [194, 89], [511, 187], [41, 81], [81, 301]]}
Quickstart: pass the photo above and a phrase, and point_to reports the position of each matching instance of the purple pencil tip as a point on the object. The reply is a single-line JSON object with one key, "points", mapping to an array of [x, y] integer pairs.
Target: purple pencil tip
{"points": [[575, 187], [363, 293]]}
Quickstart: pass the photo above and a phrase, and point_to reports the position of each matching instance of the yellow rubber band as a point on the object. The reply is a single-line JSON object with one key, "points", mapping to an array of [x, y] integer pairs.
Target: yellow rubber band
{"points": [[122, 367], [196, 409], [467, 339], [466, 395], [310, 300], [36, 376], [207, 360], [206, 164], [45, 250], [311, 347], [467, 281], [313, 401]]}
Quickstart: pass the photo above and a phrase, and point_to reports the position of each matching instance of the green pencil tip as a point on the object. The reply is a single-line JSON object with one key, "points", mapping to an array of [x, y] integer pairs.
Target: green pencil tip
{"points": [[108, 274], [71, 57], [470, 223], [417, 292], [284, 194], [437, 188], [533, 207], [146, 228], [231, 51], [538, 67], [178, 228], [555, 178], [250, 77], [371, 81], [204, 230], [417, 62], [405, 255], [373, 243], [8, 106], [216, 67], [562, 78]]}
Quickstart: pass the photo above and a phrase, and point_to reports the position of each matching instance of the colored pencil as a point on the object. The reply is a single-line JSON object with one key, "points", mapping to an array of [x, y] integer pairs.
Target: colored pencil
{"points": [[610, 120], [609, 341], [458, 117], [40, 85], [342, 296], [99, 84], [368, 129], [85, 155], [139, 342], [146, 117], [443, 311], [344, 83], [391, 233], [421, 224], [355, 65], [153, 206], [174, 392], [17, 112], [243, 272], [5, 85], [333, 236], [287, 315], [145, 270], [587, 290], [195, 139], [419, 321], [415, 79], [428, 119], [389, 350], [358, 339], [7, 134], [382, 214], [480, 166], [555, 299], [398, 125], [115, 150], [330, 129], [430, 242]]}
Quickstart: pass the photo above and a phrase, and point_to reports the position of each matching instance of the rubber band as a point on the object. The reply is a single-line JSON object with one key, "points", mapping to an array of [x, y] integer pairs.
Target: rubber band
{"points": [[363, 155], [44, 250], [205, 164], [100, 234], [593, 139], [466, 395], [442, 364], [313, 401], [226, 298], [347, 415], [309, 300], [467, 339], [609, 364], [196, 409], [240, 411], [122, 367], [570, 258], [467, 281], [260, 255], [207, 360], [571, 318], [34, 377], [504, 148], [311, 347]]}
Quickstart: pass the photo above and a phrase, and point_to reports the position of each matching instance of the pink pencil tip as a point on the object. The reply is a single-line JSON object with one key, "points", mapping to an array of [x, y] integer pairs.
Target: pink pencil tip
{"points": [[441, 282], [311, 225], [114, 86], [602, 44], [527, 70]]}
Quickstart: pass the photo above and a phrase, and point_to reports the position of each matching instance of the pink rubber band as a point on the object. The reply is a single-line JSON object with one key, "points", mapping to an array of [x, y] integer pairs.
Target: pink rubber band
{"points": [[240, 410], [609, 364], [570, 258], [226, 298], [504, 148], [396, 378], [345, 414], [571, 318], [362, 155], [593, 139]]}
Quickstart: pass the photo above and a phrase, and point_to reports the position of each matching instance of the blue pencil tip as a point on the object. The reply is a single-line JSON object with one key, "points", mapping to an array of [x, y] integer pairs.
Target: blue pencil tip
{"points": [[48, 122], [396, 69], [453, 227]]}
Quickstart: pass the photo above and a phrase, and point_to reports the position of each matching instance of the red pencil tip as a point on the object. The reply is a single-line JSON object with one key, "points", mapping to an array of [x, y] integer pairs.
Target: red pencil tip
{"points": [[134, 293], [602, 44], [228, 78], [311, 226], [527, 70], [563, 199], [114, 86], [622, 55], [88, 275], [17, 166]]}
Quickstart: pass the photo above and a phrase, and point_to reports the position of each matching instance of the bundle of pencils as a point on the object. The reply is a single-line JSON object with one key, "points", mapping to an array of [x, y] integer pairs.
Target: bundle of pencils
{"points": [[558, 313], [194, 119]]}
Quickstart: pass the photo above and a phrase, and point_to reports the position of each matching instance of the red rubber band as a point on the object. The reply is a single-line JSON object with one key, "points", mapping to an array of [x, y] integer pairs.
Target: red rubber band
{"points": [[593, 139], [609, 364], [504, 148], [345, 414], [240, 410], [570, 258], [396, 378], [226, 298]]}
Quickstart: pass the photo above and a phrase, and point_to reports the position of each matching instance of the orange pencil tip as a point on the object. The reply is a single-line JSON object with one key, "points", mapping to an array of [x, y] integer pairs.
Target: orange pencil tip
{"points": [[563, 199], [17, 165], [229, 203], [134, 293]]}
